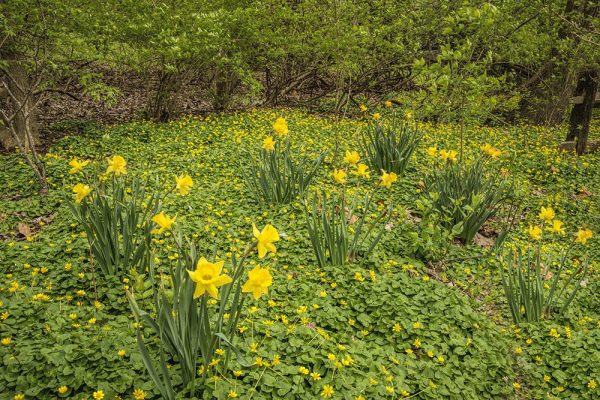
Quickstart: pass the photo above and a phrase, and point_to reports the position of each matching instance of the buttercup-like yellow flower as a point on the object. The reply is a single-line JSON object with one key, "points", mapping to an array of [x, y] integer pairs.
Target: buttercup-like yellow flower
{"points": [[388, 179], [268, 144], [583, 235], [259, 280], [388, 104], [77, 166], [547, 214], [280, 126], [117, 165], [139, 394], [535, 232], [431, 151], [448, 155], [62, 390], [81, 191], [164, 222], [376, 116], [184, 184], [98, 395], [208, 278], [352, 157], [327, 391], [363, 108], [340, 176], [408, 115], [265, 239], [362, 170], [557, 227]]}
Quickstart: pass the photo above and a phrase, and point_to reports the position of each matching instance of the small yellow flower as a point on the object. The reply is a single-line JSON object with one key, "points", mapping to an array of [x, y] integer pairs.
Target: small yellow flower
{"points": [[121, 353], [268, 143], [388, 104], [303, 370], [388, 179], [81, 191], [259, 280], [583, 235], [77, 166], [139, 394], [431, 151], [19, 396], [517, 386], [363, 108], [117, 165], [6, 341], [184, 184], [164, 222], [265, 239], [327, 391], [592, 384], [547, 214], [208, 277], [62, 390], [280, 126], [535, 232], [340, 176], [98, 395], [232, 394], [352, 157], [376, 116]]}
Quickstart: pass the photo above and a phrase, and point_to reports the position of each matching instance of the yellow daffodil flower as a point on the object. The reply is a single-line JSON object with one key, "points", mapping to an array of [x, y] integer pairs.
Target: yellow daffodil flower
{"points": [[184, 184], [340, 176], [387, 179], [268, 144], [557, 227], [164, 222], [280, 126], [491, 151], [352, 157], [362, 170], [547, 214], [265, 239], [117, 165], [583, 235], [208, 278], [448, 155], [535, 232], [81, 191], [259, 280], [77, 166]]}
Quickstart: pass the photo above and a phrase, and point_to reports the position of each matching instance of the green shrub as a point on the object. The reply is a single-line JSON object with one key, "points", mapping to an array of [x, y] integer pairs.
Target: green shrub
{"points": [[389, 147], [339, 233], [278, 177], [466, 195]]}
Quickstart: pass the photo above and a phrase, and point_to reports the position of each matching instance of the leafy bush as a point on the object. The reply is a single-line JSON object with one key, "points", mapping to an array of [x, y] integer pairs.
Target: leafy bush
{"points": [[389, 147], [278, 177], [338, 233], [466, 195]]}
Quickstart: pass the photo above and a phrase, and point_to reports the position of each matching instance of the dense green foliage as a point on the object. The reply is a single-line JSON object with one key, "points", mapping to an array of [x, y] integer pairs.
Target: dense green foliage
{"points": [[393, 324]]}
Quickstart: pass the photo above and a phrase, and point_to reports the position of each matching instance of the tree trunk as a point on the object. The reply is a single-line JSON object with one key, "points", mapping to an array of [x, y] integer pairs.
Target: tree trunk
{"points": [[21, 104], [590, 87]]}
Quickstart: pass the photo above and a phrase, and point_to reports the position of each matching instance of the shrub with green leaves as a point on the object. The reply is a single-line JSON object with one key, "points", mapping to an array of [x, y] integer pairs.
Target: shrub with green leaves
{"points": [[389, 146], [115, 216], [466, 195], [340, 233], [278, 177]]}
